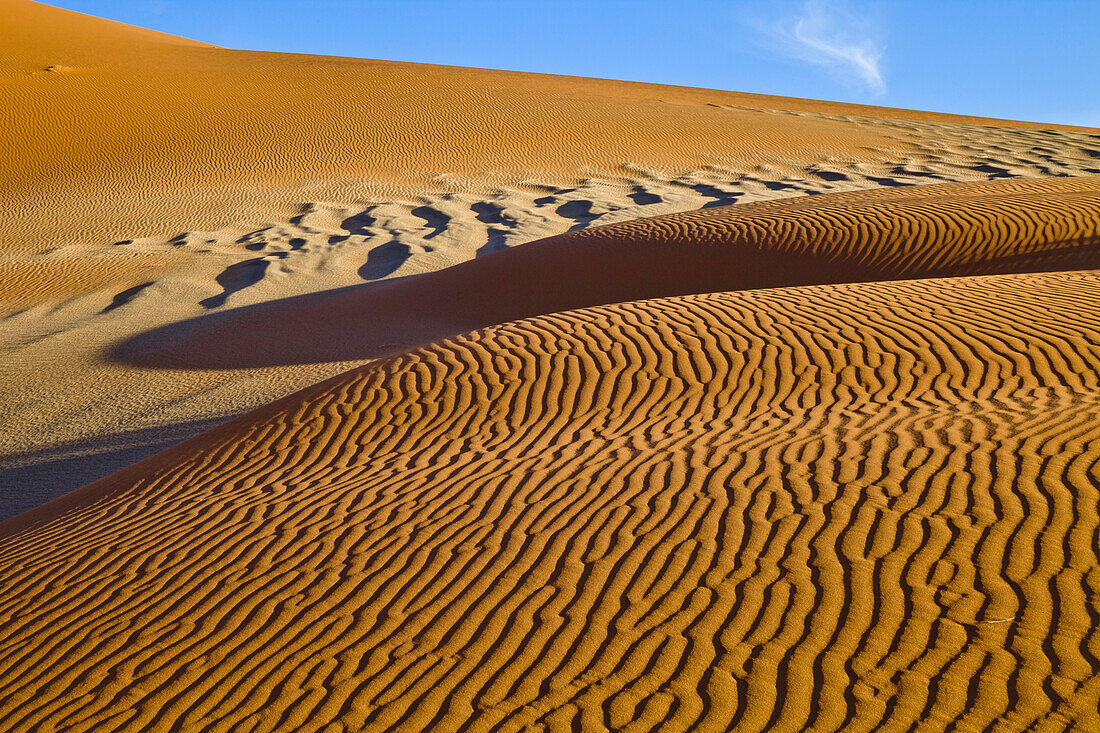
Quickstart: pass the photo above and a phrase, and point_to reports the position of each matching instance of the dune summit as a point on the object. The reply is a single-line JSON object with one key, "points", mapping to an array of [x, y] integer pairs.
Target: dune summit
{"points": [[131, 132], [406, 397]]}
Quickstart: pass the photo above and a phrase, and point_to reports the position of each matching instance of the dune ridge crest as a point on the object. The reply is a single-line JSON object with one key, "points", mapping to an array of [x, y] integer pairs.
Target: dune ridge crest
{"points": [[173, 134], [1015, 225]]}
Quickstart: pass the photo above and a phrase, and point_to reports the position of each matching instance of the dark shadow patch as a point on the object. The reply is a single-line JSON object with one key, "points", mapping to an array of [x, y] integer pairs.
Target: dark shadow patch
{"points": [[435, 219], [235, 278], [33, 478], [901, 170], [579, 210], [890, 182], [384, 260], [125, 297], [718, 196], [490, 213], [993, 171], [299, 220], [642, 197], [358, 223], [553, 198], [496, 242]]}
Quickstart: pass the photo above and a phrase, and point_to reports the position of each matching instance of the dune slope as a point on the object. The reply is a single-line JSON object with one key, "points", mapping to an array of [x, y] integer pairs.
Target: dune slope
{"points": [[133, 133], [148, 180], [850, 505], [828, 462], [1015, 225]]}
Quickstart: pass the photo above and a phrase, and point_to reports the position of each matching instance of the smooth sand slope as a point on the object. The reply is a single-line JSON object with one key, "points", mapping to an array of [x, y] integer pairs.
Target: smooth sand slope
{"points": [[857, 505], [129, 132]]}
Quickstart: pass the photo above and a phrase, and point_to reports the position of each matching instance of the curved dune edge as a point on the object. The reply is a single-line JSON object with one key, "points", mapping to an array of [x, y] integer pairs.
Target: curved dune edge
{"points": [[831, 506], [883, 234]]}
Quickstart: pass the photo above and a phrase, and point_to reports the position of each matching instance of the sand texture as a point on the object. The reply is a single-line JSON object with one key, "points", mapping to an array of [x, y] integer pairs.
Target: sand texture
{"points": [[126, 132], [852, 505], [149, 181], [96, 413], [346, 395], [855, 506], [1018, 225]]}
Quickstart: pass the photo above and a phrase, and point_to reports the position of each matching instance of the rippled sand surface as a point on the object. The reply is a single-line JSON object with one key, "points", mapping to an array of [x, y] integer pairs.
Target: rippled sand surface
{"points": [[546, 403]]}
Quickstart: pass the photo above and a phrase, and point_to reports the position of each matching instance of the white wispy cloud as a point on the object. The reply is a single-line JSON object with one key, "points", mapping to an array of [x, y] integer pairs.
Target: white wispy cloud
{"points": [[827, 33]]}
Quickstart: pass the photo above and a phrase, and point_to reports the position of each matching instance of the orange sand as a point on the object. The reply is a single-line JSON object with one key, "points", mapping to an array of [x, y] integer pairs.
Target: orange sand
{"points": [[695, 469], [826, 506], [151, 180], [854, 505], [122, 132]]}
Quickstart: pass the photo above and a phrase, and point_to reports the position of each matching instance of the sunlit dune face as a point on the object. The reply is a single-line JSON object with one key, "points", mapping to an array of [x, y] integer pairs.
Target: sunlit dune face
{"points": [[354, 395], [104, 114]]}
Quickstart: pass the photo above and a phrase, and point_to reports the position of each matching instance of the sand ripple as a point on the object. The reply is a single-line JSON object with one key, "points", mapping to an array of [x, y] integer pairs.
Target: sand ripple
{"points": [[836, 506]]}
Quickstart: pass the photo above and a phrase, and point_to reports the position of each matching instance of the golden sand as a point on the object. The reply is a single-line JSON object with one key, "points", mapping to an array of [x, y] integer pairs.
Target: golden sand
{"points": [[120, 131], [612, 424], [852, 505]]}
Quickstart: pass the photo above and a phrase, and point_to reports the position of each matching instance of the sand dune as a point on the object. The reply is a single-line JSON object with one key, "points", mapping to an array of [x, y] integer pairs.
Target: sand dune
{"points": [[150, 180], [551, 403], [63, 398], [1016, 225], [849, 505], [134, 133]]}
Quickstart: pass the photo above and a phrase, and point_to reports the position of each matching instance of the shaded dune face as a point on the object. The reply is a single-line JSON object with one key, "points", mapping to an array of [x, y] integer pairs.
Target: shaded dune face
{"points": [[829, 506], [884, 234]]}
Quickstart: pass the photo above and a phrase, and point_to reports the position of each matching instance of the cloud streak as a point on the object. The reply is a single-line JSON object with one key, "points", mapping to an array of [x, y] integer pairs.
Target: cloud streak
{"points": [[828, 35]]}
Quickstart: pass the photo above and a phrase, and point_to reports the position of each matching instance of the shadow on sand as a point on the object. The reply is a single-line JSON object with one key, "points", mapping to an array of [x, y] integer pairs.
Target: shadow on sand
{"points": [[593, 267], [386, 317], [30, 479]]}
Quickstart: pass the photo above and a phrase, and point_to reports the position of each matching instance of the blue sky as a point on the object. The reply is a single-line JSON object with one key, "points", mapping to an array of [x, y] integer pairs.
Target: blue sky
{"points": [[1031, 60]]}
